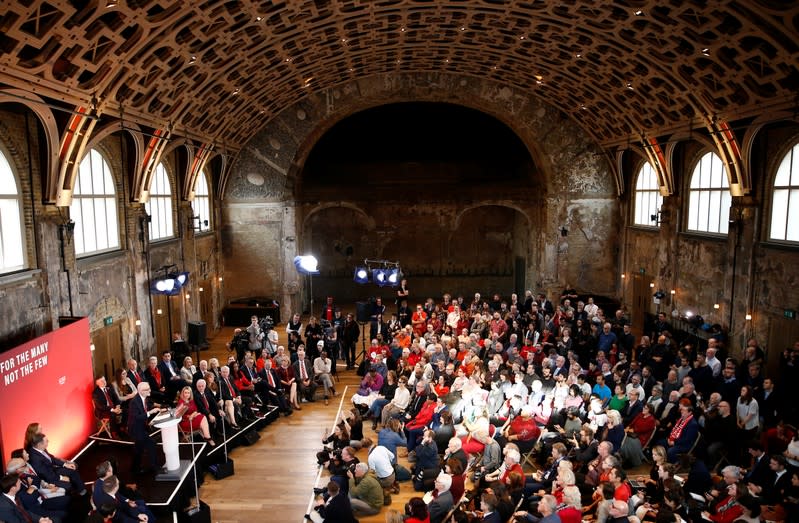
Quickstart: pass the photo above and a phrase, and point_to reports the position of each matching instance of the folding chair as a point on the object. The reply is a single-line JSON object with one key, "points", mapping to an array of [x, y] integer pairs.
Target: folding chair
{"points": [[103, 423]]}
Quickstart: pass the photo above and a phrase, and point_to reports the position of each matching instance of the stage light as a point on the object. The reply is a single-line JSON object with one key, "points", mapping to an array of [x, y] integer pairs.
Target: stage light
{"points": [[306, 264], [379, 276], [182, 278], [361, 275], [165, 286], [688, 314], [393, 277]]}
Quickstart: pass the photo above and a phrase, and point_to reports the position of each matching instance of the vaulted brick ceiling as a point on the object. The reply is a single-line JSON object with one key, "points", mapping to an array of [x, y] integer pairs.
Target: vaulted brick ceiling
{"points": [[220, 70]]}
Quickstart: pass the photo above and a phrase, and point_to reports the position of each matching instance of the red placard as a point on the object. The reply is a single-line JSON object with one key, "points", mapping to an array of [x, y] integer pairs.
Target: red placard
{"points": [[48, 380]]}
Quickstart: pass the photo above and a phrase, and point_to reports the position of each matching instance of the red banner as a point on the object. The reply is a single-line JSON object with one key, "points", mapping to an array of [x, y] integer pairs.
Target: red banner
{"points": [[48, 380]]}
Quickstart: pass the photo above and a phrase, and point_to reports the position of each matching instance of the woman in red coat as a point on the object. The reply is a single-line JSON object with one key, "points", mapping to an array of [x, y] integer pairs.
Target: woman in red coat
{"points": [[415, 427], [191, 418]]}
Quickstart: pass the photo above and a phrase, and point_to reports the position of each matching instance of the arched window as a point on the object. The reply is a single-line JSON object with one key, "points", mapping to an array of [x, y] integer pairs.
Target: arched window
{"points": [[94, 207], [647, 196], [709, 196], [12, 240], [785, 199], [159, 205], [201, 205]]}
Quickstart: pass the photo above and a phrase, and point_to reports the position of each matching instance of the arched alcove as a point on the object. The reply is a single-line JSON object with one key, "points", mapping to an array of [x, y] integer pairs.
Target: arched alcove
{"points": [[417, 151]]}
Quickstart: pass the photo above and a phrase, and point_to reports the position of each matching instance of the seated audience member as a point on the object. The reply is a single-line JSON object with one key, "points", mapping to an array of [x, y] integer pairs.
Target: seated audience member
{"points": [[304, 371], [546, 507], [191, 417], [52, 469], [10, 512], [48, 501], [441, 498], [207, 406], [322, 367], [170, 375], [416, 511], [127, 510], [188, 370], [426, 466], [273, 389], [336, 508], [366, 494], [414, 428], [684, 433], [106, 404], [153, 376]]}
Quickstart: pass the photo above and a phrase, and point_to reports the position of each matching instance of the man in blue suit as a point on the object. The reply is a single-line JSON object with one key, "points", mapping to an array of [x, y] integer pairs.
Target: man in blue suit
{"points": [[52, 469]]}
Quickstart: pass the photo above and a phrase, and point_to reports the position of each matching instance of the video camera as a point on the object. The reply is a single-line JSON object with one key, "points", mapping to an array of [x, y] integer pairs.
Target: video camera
{"points": [[266, 324]]}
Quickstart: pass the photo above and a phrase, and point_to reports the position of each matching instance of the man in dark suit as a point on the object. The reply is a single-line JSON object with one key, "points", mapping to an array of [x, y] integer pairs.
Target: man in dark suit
{"points": [[138, 428], [10, 510], [106, 403], [759, 473], [52, 469], [303, 371], [134, 374], [54, 507], [273, 389], [337, 507], [171, 375], [128, 510], [442, 499], [230, 393], [378, 326], [207, 405]]}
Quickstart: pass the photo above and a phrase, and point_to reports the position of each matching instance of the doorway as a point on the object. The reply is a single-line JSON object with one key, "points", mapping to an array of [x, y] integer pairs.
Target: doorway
{"points": [[108, 354]]}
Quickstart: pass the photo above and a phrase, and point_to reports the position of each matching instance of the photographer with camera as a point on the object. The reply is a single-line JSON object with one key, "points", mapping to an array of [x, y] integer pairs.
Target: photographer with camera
{"points": [[240, 343], [270, 339]]}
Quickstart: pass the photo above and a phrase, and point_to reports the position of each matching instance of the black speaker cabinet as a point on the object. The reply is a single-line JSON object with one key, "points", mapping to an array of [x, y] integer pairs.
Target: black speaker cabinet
{"points": [[250, 437], [201, 514], [363, 311], [222, 470], [197, 333]]}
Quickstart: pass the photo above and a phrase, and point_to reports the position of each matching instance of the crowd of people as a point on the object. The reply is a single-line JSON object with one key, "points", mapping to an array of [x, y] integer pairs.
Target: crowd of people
{"points": [[39, 486], [617, 428]]}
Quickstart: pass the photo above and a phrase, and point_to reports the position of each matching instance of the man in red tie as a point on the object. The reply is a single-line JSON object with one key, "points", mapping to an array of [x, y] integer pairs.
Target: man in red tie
{"points": [[11, 510], [273, 388], [106, 403], [303, 370]]}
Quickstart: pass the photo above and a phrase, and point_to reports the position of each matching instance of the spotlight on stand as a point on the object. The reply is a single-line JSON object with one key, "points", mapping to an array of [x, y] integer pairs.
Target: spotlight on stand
{"points": [[170, 284], [306, 264], [361, 275]]}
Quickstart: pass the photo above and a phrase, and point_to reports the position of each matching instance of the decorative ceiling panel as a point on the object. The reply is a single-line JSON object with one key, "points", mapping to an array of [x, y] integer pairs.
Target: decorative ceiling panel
{"points": [[220, 70]]}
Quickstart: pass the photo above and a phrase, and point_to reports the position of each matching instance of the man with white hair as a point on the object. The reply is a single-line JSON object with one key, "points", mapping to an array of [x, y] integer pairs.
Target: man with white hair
{"points": [[546, 507], [442, 501], [138, 414], [366, 494]]}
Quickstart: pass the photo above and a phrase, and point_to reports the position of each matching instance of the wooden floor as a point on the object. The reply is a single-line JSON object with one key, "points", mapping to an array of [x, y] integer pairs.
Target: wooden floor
{"points": [[274, 478]]}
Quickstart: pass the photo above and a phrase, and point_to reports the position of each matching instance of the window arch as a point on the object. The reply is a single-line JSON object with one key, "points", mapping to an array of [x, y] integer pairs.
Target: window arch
{"points": [[12, 239], [159, 205], [785, 198], [94, 207], [647, 196], [201, 205], [709, 196]]}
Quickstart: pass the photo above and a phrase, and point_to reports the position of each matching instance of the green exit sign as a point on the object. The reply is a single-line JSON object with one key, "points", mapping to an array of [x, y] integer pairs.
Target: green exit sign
{"points": [[108, 320], [789, 313]]}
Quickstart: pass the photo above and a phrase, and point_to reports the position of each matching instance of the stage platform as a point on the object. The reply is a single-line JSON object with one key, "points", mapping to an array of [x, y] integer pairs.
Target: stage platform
{"points": [[167, 499]]}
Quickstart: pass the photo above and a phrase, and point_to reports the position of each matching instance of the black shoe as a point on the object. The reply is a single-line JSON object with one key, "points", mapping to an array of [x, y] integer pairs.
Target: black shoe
{"points": [[319, 490]]}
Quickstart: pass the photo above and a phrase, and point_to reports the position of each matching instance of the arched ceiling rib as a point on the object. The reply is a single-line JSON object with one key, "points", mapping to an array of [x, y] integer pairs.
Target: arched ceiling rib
{"points": [[220, 70]]}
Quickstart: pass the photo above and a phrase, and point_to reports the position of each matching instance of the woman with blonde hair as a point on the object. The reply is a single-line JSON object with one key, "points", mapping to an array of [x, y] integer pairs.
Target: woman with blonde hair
{"points": [[32, 429], [191, 418]]}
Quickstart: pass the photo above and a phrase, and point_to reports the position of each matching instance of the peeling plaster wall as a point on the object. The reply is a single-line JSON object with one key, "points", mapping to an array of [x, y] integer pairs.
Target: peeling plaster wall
{"points": [[576, 186]]}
